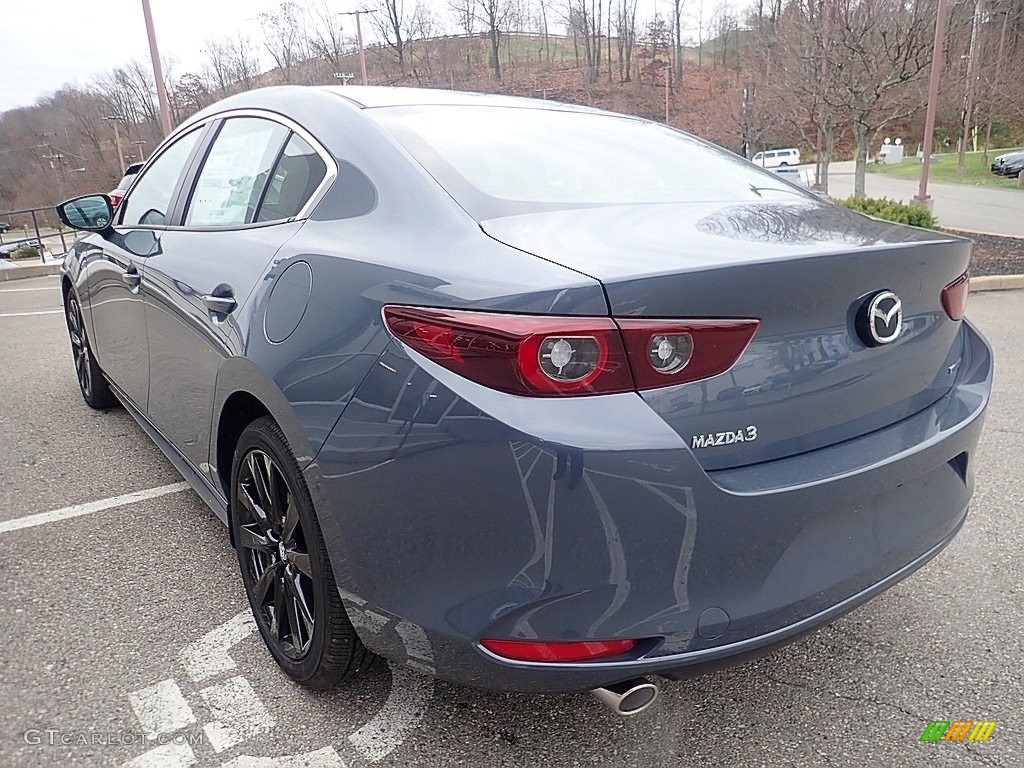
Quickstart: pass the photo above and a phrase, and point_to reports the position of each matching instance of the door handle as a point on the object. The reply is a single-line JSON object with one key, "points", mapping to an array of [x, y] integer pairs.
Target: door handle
{"points": [[131, 277], [222, 305]]}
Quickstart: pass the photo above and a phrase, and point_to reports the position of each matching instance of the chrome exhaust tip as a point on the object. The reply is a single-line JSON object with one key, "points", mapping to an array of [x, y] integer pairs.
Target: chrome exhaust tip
{"points": [[630, 697]]}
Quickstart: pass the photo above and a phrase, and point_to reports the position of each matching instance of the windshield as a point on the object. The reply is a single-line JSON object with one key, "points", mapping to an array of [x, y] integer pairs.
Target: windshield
{"points": [[498, 161]]}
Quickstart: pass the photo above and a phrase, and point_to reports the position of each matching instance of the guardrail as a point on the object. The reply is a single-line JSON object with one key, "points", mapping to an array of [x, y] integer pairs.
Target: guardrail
{"points": [[35, 228]]}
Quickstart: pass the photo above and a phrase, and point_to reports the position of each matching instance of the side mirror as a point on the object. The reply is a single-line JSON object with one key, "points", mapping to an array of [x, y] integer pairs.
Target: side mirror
{"points": [[92, 213]]}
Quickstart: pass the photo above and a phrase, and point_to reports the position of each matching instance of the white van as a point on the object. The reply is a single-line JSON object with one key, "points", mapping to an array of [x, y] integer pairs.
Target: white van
{"points": [[777, 158]]}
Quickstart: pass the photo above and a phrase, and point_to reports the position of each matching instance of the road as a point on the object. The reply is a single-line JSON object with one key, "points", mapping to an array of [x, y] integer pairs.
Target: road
{"points": [[957, 206], [130, 616]]}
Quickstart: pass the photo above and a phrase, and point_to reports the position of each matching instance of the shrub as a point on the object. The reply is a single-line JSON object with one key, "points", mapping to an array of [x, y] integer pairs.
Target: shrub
{"points": [[26, 252], [891, 210]]}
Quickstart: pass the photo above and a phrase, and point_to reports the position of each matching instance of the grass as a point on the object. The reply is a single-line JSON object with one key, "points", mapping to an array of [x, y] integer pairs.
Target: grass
{"points": [[944, 170]]}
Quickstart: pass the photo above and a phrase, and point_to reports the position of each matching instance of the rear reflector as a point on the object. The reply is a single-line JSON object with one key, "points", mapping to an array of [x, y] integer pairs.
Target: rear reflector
{"points": [[535, 650], [954, 296], [560, 356]]}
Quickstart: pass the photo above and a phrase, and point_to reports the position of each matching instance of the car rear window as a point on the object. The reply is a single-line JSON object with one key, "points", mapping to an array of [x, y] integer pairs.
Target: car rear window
{"points": [[498, 161]]}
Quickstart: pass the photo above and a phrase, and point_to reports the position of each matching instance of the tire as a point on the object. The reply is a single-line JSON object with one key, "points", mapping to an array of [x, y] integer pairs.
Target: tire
{"points": [[783, 165], [91, 381], [284, 563]]}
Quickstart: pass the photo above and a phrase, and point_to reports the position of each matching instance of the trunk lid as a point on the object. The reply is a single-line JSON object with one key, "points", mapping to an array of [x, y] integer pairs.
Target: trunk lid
{"points": [[805, 269]]}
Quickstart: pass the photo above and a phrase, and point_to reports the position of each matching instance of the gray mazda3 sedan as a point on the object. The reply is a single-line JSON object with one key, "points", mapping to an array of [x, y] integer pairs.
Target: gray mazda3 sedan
{"points": [[526, 395]]}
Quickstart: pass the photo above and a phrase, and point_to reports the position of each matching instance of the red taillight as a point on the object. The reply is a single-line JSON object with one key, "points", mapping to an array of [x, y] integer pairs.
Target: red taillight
{"points": [[552, 356], [954, 296], [575, 650], [699, 349], [518, 353], [115, 199]]}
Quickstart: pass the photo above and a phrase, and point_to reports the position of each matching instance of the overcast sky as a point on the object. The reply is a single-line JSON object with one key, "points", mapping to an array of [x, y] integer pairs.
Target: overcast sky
{"points": [[47, 43]]}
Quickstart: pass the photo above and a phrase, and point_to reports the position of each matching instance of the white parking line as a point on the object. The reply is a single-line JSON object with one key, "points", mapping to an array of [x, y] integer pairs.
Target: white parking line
{"points": [[6, 526], [327, 757], [405, 706], [239, 713], [22, 290], [161, 708], [173, 755], [27, 314], [211, 654]]}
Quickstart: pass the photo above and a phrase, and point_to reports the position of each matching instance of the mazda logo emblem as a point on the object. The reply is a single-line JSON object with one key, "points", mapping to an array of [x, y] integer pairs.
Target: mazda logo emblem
{"points": [[880, 319]]}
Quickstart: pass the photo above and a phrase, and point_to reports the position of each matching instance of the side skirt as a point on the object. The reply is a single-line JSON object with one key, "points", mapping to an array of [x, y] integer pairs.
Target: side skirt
{"points": [[213, 497]]}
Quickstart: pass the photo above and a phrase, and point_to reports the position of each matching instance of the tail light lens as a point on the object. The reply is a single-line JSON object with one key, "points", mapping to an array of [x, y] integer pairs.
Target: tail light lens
{"points": [[115, 199], [521, 354], [954, 296], [576, 650], [665, 352], [558, 356]]}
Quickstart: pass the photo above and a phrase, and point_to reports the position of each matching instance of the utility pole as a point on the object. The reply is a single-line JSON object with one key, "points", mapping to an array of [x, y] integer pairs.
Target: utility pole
{"points": [[972, 76], [922, 198], [158, 71], [359, 39], [117, 140]]}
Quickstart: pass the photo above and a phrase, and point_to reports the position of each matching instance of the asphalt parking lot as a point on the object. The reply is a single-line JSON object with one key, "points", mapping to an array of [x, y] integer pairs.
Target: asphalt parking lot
{"points": [[130, 618]]}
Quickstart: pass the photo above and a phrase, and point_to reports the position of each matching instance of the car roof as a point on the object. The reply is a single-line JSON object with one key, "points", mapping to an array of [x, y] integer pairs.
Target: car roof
{"points": [[374, 96]]}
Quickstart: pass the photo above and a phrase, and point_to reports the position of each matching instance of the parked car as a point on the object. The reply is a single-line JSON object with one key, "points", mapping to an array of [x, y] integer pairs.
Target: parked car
{"points": [[777, 158], [1009, 165], [528, 396], [7, 250], [4, 227], [117, 193]]}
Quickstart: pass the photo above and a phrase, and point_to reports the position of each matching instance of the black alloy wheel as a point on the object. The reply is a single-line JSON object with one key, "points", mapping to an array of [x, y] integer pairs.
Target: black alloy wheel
{"points": [[285, 567], [274, 547], [95, 390]]}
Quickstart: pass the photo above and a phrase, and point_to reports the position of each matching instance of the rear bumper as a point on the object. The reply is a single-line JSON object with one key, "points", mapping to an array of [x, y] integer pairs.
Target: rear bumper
{"points": [[453, 513]]}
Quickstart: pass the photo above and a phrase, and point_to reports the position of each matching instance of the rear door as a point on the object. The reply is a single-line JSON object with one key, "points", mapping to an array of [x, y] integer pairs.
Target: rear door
{"points": [[242, 205]]}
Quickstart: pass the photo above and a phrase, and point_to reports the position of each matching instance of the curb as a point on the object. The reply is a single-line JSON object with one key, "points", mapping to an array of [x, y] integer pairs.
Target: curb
{"points": [[33, 270], [957, 230], [997, 283]]}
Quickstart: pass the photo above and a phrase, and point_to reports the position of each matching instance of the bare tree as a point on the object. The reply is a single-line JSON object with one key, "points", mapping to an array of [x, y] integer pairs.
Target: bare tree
{"points": [[677, 40], [423, 25], [543, 23], [625, 32], [284, 37], [585, 20], [879, 51], [327, 40], [494, 15], [245, 63], [390, 24], [188, 94], [464, 13], [797, 53], [218, 59]]}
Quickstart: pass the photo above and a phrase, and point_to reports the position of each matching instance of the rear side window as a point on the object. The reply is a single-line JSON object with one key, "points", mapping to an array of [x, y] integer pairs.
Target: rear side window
{"points": [[296, 176], [151, 199], [235, 172]]}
